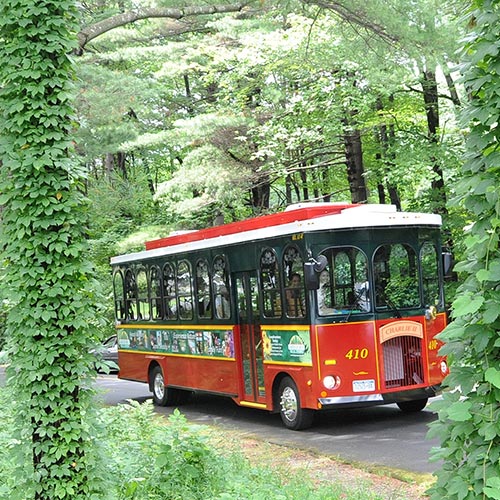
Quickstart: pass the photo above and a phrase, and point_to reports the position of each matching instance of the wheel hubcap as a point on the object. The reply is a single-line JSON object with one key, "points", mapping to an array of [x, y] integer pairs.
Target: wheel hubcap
{"points": [[289, 404], [159, 386]]}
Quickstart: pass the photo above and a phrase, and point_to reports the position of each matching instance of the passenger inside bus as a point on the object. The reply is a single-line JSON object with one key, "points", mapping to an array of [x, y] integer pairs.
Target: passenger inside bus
{"points": [[222, 307], [294, 297], [325, 295]]}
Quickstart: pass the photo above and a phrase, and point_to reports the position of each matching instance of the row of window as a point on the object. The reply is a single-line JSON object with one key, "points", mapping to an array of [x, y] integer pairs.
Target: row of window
{"points": [[184, 290], [170, 293]]}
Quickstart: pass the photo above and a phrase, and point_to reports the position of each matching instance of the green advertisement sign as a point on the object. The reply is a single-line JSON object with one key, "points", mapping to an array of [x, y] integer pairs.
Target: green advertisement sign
{"points": [[292, 346], [210, 343]]}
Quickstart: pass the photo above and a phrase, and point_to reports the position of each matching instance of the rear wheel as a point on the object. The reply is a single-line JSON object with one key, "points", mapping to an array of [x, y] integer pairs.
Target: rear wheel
{"points": [[292, 414], [413, 406], [166, 396], [160, 392]]}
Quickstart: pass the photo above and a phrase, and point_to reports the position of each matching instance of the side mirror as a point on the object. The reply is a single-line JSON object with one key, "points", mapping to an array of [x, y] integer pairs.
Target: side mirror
{"points": [[448, 264], [312, 270]]}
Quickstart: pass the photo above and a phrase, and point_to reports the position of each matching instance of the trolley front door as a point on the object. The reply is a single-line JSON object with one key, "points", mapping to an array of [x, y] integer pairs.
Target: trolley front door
{"points": [[252, 352]]}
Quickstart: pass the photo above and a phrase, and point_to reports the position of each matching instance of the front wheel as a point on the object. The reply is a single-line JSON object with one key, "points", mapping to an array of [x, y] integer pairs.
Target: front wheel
{"points": [[413, 406], [292, 414]]}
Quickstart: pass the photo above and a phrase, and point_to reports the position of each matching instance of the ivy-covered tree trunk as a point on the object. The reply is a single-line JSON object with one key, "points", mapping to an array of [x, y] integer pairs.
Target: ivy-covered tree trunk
{"points": [[43, 249], [469, 415]]}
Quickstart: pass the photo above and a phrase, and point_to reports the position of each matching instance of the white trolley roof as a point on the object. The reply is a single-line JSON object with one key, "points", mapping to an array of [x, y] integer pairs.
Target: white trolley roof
{"points": [[300, 218]]}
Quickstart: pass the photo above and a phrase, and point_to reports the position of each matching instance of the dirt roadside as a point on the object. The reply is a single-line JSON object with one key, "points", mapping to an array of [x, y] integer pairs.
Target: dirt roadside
{"points": [[390, 484]]}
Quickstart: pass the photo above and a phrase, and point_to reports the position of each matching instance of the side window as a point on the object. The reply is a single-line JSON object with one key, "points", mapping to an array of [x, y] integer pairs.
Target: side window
{"points": [[430, 274], [144, 312], [270, 284], [220, 285], [396, 282], [203, 302], [293, 268], [130, 295], [118, 289], [155, 287], [343, 284], [168, 287], [184, 290]]}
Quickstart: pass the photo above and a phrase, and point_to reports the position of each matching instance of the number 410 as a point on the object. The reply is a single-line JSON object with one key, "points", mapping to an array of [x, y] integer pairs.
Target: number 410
{"points": [[357, 353]]}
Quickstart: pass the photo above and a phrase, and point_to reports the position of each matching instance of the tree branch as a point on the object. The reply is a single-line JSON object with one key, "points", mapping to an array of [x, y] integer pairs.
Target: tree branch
{"points": [[93, 31], [356, 18]]}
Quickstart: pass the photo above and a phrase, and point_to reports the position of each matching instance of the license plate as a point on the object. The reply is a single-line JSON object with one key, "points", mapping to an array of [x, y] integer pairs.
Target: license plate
{"points": [[363, 385]]}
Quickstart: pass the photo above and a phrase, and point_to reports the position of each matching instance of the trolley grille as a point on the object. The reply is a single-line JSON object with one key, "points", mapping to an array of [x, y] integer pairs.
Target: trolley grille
{"points": [[403, 362]]}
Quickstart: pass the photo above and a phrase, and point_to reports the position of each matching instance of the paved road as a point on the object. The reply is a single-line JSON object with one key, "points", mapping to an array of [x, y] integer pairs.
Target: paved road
{"points": [[380, 435]]}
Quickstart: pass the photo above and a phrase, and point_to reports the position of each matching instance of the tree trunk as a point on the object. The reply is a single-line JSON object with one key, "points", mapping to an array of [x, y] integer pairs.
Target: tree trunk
{"points": [[288, 190], [121, 162], [381, 193], [325, 196], [430, 89], [261, 193], [355, 168], [452, 89], [304, 180], [49, 327], [386, 139], [109, 163]]}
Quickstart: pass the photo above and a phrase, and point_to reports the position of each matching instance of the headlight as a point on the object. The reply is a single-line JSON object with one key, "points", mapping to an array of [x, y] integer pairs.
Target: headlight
{"points": [[331, 382]]}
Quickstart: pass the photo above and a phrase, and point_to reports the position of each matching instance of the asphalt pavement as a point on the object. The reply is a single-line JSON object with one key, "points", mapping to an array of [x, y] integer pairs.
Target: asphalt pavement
{"points": [[382, 436]]}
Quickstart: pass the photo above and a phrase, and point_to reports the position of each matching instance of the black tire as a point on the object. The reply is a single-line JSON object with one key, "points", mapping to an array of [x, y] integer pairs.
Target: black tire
{"points": [[294, 417], [413, 406], [160, 392]]}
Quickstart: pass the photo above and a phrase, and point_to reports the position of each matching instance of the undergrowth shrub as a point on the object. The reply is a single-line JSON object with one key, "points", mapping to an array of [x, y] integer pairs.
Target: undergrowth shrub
{"points": [[146, 457]]}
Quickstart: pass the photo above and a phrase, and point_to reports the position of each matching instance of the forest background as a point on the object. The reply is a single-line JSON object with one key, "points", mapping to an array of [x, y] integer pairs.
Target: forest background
{"points": [[189, 115], [185, 122]]}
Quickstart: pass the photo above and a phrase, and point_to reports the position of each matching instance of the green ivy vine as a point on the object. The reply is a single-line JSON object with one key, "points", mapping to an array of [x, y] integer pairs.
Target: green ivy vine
{"points": [[469, 414], [43, 251]]}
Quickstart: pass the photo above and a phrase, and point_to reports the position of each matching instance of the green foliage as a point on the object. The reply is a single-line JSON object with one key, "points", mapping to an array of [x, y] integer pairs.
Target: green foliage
{"points": [[5, 305], [469, 413], [205, 184], [49, 326], [402, 292], [142, 456], [287, 83]]}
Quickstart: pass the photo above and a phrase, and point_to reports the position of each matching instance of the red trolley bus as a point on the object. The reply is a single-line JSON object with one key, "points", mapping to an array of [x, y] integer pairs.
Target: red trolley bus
{"points": [[319, 306]]}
